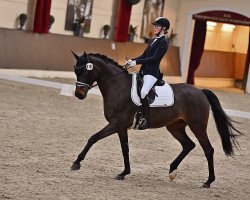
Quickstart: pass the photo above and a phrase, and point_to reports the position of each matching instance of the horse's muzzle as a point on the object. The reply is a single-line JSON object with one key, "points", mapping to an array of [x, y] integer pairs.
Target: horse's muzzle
{"points": [[80, 93]]}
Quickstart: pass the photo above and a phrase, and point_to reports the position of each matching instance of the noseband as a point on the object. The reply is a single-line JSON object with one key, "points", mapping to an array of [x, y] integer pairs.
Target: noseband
{"points": [[81, 84]]}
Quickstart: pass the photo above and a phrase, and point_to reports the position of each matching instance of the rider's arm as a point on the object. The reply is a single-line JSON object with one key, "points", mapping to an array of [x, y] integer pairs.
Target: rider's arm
{"points": [[142, 56]]}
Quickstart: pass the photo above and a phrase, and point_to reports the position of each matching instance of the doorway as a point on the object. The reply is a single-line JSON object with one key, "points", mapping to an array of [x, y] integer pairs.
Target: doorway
{"points": [[224, 55]]}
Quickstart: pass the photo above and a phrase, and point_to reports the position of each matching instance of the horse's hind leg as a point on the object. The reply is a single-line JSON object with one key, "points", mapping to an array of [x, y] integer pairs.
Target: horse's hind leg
{"points": [[200, 132], [178, 131]]}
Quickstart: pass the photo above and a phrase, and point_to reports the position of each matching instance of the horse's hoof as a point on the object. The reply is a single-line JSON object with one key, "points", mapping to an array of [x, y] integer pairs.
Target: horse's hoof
{"points": [[119, 177], [172, 175], [75, 167], [205, 185]]}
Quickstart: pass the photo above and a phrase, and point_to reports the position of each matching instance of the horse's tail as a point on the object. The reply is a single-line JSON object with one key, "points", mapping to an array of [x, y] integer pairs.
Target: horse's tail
{"points": [[223, 124]]}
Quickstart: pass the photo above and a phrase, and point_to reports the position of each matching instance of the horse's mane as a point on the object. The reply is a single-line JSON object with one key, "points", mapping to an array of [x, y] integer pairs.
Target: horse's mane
{"points": [[106, 59]]}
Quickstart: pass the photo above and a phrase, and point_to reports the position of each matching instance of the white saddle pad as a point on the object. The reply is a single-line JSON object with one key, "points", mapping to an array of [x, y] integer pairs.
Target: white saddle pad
{"points": [[165, 94]]}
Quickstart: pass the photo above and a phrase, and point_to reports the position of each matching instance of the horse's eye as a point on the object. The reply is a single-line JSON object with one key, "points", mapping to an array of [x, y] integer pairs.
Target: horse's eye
{"points": [[78, 71]]}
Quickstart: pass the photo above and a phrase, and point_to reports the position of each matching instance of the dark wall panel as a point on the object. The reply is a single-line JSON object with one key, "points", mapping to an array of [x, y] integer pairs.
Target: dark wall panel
{"points": [[24, 50]]}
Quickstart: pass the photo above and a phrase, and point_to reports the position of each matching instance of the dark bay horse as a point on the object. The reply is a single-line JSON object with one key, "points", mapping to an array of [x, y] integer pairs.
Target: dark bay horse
{"points": [[191, 108]]}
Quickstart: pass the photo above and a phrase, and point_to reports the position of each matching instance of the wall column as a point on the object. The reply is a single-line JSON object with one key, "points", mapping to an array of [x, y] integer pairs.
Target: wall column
{"points": [[31, 8]]}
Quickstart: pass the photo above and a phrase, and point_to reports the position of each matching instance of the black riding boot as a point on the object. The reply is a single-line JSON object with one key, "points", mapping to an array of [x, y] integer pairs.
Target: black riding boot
{"points": [[144, 121]]}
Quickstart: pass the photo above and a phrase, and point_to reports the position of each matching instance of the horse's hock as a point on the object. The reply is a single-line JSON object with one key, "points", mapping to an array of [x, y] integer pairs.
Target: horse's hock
{"points": [[53, 51]]}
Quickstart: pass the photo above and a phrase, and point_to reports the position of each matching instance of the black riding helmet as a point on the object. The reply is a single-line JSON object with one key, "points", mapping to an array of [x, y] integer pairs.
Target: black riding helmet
{"points": [[162, 21]]}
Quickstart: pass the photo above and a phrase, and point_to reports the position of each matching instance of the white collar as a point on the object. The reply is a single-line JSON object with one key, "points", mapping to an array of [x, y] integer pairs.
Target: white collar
{"points": [[156, 39], [159, 36]]}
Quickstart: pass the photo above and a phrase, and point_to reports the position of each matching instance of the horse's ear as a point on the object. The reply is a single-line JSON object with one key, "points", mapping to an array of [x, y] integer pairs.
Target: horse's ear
{"points": [[85, 55], [76, 56]]}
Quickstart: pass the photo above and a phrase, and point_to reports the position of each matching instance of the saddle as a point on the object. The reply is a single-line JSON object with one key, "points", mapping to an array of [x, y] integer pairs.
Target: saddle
{"points": [[161, 94]]}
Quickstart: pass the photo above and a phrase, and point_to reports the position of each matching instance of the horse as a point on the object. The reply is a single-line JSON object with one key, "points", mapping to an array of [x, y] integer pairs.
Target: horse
{"points": [[191, 108]]}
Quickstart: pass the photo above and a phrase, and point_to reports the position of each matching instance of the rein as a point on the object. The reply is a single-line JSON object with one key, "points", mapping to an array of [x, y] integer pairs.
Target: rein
{"points": [[81, 84]]}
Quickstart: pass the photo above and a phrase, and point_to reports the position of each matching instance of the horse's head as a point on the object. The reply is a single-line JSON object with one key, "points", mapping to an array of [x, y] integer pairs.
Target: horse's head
{"points": [[84, 75]]}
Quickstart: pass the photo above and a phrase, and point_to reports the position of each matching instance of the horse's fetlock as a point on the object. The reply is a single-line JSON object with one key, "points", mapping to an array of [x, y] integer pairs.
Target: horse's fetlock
{"points": [[127, 171], [172, 168], [192, 146], [211, 178], [209, 152], [92, 140]]}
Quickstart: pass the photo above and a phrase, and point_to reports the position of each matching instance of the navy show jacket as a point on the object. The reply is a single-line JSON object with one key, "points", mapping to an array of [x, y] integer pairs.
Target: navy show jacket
{"points": [[151, 57]]}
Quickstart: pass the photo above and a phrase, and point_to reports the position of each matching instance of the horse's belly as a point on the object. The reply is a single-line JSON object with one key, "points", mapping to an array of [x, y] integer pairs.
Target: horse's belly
{"points": [[160, 117]]}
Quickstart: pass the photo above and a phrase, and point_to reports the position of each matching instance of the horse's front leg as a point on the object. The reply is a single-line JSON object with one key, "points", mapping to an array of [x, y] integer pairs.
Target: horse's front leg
{"points": [[106, 131], [123, 136]]}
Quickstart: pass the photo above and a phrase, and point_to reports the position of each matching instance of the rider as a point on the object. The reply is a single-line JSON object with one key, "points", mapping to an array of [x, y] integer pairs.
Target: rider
{"points": [[150, 69]]}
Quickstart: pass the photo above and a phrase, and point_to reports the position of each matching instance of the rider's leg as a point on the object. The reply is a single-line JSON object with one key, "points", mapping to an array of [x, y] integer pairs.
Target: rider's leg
{"points": [[144, 120], [148, 82]]}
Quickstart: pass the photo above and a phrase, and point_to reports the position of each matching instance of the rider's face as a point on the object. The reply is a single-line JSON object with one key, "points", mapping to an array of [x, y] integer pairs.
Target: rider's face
{"points": [[157, 29]]}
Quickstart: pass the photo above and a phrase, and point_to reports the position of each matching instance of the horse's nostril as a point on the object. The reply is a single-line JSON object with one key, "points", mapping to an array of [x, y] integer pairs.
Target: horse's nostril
{"points": [[79, 95], [76, 94]]}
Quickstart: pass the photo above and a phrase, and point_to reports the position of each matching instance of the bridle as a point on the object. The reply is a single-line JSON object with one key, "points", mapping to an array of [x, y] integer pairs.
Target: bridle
{"points": [[81, 84], [89, 67]]}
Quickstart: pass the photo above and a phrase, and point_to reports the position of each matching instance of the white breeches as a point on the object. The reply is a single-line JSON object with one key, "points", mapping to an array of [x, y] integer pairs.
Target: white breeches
{"points": [[148, 82]]}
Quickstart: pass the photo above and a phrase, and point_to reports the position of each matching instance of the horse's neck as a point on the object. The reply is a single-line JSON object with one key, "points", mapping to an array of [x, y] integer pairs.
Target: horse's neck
{"points": [[108, 72], [111, 79]]}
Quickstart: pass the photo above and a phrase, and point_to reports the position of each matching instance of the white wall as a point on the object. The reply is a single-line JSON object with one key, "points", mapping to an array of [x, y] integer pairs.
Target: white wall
{"points": [[136, 19], [10, 11], [170, 11], [58, 10]]}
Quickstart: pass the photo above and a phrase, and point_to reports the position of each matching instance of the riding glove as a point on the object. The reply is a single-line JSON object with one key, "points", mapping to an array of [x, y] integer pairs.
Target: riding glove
{"points": [[132, 63], [128, 62]]}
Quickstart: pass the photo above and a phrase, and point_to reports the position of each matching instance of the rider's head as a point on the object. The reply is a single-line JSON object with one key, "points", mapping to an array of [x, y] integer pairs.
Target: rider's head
{"points": [[161, 24]]}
